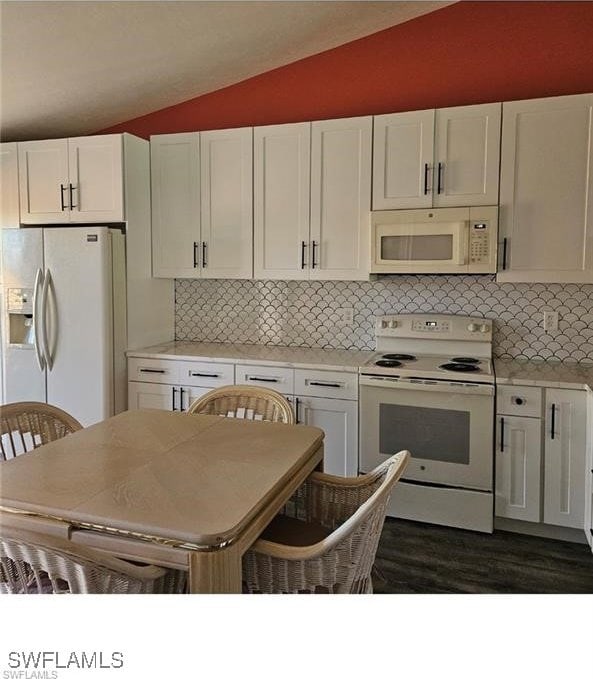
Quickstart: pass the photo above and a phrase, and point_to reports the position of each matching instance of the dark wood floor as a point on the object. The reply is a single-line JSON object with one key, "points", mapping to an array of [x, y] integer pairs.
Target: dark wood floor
{"points": [[421, 558]]}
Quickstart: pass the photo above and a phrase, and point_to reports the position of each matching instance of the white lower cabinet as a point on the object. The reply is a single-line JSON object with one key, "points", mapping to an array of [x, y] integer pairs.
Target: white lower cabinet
{"points": [[541, 457], [339, 420], [518, 467], [327, 399], [564, 456], [166, 384], [162, 396]]}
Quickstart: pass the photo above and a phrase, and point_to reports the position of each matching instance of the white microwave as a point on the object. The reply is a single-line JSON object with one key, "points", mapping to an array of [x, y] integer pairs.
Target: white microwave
{"points": [[442, 240]]}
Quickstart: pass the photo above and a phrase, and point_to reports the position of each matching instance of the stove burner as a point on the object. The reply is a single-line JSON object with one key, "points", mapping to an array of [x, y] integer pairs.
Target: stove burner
{"points": [[465, 359], [460, 367], [399, 357], [387, 363]]}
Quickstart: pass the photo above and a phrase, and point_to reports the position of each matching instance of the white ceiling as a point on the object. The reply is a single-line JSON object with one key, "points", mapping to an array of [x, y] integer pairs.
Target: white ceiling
{"points": [[72, 68]]}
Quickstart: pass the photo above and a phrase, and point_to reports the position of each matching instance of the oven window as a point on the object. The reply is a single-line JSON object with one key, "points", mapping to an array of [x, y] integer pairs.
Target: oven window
{"points": [[417, 248], [428, 433]]}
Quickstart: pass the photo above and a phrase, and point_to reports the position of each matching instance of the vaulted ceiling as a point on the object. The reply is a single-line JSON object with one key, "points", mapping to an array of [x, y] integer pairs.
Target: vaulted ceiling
{"points": [[72, 68]]}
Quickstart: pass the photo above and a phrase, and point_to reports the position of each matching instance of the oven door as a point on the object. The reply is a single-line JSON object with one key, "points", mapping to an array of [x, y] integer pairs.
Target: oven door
{"points": [[446, 426]]}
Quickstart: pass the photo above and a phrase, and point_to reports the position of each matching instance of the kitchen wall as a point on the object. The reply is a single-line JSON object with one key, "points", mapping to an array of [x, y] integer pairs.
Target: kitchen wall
{"points": [[298, 313], [466, 53]]}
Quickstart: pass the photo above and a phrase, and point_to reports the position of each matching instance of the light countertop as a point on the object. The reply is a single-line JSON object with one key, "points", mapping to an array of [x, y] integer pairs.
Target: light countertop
{"points": [[544, 374], [346, 360]]}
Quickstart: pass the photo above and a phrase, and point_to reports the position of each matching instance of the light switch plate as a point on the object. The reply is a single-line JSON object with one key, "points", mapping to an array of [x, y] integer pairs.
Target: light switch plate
{"points": [[550, 321]]}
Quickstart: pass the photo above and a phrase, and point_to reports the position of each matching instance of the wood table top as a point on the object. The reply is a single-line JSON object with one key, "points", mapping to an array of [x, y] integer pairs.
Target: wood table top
{"points": [[196, 479]]}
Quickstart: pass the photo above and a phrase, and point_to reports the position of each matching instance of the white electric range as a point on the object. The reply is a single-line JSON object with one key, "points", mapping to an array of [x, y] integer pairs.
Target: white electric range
{"points": [[430, 389]]}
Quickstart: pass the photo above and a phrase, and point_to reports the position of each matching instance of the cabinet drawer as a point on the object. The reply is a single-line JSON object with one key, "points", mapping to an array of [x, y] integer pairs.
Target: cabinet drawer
{"points": [[152, 370], [205, 374], [279, 379], [326, 383], [517, 400]]}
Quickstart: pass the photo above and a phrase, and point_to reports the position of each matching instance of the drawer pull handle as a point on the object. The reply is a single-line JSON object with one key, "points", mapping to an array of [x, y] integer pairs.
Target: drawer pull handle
{"points": [[335, 385], [160, 371], [261, 379], [192, 374]]}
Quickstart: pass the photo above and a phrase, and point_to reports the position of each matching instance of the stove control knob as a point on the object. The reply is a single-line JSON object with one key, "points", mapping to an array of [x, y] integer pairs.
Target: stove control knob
{"points": [[484, 327], [393, 324], [472, 327], [384, 324]]}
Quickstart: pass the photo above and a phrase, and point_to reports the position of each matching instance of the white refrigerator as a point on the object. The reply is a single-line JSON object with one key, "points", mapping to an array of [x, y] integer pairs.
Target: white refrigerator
{"points": [[65, 318]]}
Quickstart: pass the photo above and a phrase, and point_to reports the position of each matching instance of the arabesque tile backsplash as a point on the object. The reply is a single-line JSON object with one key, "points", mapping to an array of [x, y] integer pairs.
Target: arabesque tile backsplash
{"points": [[304, 313]]}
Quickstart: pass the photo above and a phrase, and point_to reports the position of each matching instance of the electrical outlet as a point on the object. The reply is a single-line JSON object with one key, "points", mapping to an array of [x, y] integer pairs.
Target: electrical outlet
{"points": [[550, 321], [346, 315]]}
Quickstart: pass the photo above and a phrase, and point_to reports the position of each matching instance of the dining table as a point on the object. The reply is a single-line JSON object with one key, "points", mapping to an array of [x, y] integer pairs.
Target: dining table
{"points": [[189, 492]]}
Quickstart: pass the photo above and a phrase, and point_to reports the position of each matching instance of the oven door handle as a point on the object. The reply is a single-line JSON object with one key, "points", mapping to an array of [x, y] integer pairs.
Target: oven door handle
{"points": [[433, 386]]}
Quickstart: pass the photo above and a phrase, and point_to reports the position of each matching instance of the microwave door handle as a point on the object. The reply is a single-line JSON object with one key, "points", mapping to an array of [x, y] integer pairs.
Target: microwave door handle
{"points": [[462, 237]]}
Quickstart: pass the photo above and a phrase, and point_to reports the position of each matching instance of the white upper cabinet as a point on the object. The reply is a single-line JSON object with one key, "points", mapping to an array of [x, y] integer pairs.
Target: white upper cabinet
{"points": [[546, 191], [226, 160], [9, 185], [76, 180], [340, 199], [281, 189], [175, 180], [202, 204], [437, 158], [403, 151], [312, 188], [467, 155]]}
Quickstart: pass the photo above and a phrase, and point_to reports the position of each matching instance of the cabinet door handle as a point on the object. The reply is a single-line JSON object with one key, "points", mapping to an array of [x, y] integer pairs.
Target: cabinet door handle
{"points": [[296, 410], [71, 191], [204, 262], [192, 374], [502, 434], [335, 385], [196, 254], [181, 399], [173, 398], [440, 180], [253, 378], [303, 246], [62, 204], [425, 178], [553, 427], [160, 371], [504, 253], [314, 245]]}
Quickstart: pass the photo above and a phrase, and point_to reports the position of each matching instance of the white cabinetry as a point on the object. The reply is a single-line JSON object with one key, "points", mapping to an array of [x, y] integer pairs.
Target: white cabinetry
{"points": [[518, 453], [546, 191], [329, 400], [78, 180], [437, 158], [281, 189], [9, 186], [312, 200], [541, 462], [202, 192], [564, 455], [173, 385]]}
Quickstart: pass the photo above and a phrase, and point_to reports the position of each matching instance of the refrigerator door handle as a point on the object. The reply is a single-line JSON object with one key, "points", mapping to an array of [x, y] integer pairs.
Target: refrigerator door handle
{"points": [[38, 320], [47, 284]]}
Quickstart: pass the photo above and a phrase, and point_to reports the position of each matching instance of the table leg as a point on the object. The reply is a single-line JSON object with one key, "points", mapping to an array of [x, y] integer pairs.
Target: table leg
{"points": [[217, 572]]}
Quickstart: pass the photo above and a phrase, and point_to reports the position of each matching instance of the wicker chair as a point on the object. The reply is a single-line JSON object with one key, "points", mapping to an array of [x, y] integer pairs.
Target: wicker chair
{"points": [[28, 425], [246, 402], [343, 518], [31, 563]]}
